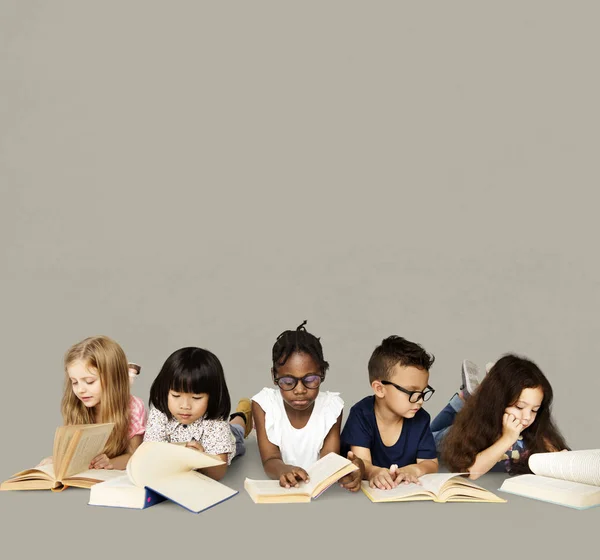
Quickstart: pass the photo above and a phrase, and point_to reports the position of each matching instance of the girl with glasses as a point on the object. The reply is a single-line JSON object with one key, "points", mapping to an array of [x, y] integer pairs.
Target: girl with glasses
{"points": [[296, 424], [496, 424]]}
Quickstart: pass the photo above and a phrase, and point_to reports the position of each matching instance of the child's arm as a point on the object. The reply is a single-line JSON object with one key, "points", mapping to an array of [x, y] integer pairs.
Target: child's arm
{"points": [[411, 473], [118, 463], [378, 477], [331, 444], [486, 459], [270, 454], [426, 458]]}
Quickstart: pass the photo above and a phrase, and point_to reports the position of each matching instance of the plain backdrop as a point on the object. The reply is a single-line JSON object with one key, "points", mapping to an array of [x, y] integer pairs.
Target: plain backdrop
{"points": [[213, 173]]}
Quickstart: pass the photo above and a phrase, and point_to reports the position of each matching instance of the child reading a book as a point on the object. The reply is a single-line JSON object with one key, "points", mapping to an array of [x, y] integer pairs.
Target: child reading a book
{"points": [[389, 430], [296, 424], [189, 403], [497, 423], [97, 390]]}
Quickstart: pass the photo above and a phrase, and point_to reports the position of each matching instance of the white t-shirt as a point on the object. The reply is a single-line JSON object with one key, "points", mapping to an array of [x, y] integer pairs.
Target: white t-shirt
{"points": [[299, 447]]}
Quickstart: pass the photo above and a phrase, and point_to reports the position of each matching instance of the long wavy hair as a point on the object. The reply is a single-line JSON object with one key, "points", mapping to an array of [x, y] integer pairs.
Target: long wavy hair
{"points": [[108, 359], [479, 424]]}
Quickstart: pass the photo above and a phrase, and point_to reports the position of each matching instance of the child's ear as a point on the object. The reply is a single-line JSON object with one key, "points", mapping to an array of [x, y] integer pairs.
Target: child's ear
{"points": [[377, 388], [273, 376]]}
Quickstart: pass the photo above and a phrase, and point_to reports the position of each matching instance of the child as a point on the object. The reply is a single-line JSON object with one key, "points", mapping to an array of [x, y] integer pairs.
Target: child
{"points": [[189, 403], [498, 423], [389, 430], [295, 423], [97, 391]]}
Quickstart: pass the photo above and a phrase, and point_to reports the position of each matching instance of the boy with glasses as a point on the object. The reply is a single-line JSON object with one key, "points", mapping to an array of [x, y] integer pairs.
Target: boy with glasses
{"points": [[390, 430]]}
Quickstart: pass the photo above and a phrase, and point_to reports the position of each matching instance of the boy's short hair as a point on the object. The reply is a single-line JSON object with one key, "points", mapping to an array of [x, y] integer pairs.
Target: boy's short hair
{"points": [[397, 350]]}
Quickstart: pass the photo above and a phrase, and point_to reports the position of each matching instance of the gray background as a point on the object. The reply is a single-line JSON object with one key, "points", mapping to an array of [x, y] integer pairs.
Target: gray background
{"points": [[190, 173]]}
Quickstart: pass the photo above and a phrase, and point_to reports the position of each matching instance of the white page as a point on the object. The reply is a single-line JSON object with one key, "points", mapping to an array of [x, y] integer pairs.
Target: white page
{"points": [[577, 466]]}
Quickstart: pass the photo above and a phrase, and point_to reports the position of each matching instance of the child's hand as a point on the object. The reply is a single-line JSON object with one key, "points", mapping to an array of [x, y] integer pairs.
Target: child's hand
{"points": [[384, 479], [46, 461], [405, 474], [291, 475], [511, 427], [195, 445], [101, 462], [352, 481]]}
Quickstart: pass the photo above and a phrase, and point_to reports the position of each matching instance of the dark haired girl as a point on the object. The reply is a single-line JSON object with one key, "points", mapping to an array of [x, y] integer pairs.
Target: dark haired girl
{"points": [[295, 423], [497, 424], [189, 403]]}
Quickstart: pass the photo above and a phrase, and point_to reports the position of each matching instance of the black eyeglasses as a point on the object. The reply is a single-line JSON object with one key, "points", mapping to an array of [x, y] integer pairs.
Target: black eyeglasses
{"points": [[413, 396], [310, 381]]}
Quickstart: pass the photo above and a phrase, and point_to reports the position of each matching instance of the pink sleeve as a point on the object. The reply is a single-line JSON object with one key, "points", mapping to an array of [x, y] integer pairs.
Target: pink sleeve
{"points": [[137, 417]]}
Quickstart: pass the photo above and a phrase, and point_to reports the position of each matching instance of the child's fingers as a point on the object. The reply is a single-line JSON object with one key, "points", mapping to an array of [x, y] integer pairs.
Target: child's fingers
{"points": [[351, 480], [379, 484], [292, 480], [301, 473], [283, 481]]}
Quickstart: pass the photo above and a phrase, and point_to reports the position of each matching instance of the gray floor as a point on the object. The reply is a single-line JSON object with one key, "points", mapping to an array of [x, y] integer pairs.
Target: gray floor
{"points": [[351, 521]]}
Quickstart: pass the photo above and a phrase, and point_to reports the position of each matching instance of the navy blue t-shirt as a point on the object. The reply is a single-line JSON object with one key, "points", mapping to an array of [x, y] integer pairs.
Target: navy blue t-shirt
{"points": [[415, 441]]}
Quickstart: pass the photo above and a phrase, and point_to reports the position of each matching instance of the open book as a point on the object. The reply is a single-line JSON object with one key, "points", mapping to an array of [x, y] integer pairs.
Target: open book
{"points": [[74, 448], [159, 470], [439, 487], [566, 478], [325, 472]]}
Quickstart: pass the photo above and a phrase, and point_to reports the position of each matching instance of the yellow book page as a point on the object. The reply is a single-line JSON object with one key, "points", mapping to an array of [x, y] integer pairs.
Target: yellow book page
{"points": [[62, 440], [154, 460], [87, 479], [463, 489], [29, 484], [271, 489], [402, 493], [86, 443], [43, 472], [325, 472]]}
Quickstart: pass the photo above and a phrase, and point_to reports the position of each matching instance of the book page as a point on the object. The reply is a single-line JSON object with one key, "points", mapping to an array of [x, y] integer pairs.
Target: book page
{"points": [[62, 439], [118, 492], [273, 488], [322, 470], [100, 475], [87, 442], [555, 490], [401, 492], [576, 466], [434, 482], [153, 460], [43, 472], [192, 490]]}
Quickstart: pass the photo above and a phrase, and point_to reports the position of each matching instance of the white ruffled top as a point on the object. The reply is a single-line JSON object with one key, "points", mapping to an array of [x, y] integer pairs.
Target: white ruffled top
{"points": [[299, 447]]}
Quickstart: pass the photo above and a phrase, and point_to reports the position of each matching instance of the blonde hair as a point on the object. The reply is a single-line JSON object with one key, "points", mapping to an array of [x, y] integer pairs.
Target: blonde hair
{"points": [[108, 359]]}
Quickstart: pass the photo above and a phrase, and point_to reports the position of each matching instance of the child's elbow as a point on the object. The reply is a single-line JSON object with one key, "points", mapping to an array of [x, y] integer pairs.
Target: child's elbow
{"points": [[218, 475], [474, 475]]}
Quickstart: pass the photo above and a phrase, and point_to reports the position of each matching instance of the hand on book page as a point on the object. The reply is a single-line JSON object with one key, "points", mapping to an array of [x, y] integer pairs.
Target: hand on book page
{"points": [[195, 445], [291, 476], [352, 481], [101, 462]]}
